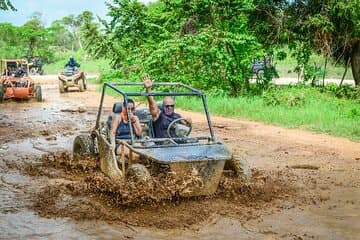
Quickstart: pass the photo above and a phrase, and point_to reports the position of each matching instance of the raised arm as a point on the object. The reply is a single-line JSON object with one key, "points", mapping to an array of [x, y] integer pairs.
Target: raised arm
{"points": [[153, 107]]}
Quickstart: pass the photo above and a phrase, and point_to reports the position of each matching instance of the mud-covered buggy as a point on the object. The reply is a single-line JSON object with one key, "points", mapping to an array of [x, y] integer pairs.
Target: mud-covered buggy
{"points": [[196, 156], [35, 65], [15, 82], [72, 77]]}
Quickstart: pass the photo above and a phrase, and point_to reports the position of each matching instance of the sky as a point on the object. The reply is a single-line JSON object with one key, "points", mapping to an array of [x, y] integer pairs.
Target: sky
{"points": [[52, 9]]}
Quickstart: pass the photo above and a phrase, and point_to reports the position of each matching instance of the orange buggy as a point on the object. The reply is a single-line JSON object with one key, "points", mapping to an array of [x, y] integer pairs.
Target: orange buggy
{"points": [[15, 81]]}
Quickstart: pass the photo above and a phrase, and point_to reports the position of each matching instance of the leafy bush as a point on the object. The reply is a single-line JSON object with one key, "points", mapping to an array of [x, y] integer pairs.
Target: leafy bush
{"points": [[345, 91], [110, 76], [274, 97], [354, 113]]}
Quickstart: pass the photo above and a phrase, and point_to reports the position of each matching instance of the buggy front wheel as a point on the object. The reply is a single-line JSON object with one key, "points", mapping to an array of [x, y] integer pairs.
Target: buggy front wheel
{"points": [[61, 86], [38, 93], [81, 85], [139, 172], [1, 94], [83, 145]]}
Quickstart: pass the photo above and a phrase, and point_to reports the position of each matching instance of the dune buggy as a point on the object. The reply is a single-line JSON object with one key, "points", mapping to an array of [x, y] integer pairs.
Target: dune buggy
{"points": [[72, 77], [35, 65], [258, 67], [15, 81], [197, 156]]}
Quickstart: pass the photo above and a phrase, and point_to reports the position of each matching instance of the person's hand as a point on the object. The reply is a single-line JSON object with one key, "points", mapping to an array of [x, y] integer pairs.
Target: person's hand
{"points": [[147, 81], [186, 122], [133, 118]]}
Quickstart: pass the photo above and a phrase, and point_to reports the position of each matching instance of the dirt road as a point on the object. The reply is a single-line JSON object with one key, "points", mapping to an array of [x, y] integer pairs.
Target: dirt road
{"points": [[304, 185]]}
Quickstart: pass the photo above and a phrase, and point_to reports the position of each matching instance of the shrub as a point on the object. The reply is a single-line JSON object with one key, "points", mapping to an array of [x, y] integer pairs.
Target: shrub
{"points": [[274, 97]]}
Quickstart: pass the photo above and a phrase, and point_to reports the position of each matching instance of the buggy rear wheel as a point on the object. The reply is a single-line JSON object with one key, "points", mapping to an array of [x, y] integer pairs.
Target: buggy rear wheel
{"points": [[83, 145], [85, 83], [61, 86], [2, 94], [239, 166], [38, 93]]}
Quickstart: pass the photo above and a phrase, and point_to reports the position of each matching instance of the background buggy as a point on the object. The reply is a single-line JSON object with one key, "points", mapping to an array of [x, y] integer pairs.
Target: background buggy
{"points": [[72, 77], [16, 82]]}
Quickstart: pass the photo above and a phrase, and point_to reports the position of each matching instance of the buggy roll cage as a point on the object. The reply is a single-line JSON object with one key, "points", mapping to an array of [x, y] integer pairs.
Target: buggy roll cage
{"points": [[190, 92], [4, 64]]}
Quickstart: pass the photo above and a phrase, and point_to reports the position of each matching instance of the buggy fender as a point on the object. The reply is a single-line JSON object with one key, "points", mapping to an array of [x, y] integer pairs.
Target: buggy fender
{"points": [[202, 164], [108, 164]]}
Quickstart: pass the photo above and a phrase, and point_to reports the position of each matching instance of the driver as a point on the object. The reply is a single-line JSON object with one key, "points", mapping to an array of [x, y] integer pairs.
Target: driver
{"points": [[72, 63], [161, 118], [19, 72]]}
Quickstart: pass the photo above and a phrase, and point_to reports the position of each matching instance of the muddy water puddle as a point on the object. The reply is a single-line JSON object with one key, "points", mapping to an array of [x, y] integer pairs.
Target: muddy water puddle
{"points": [[41, 182], [80, 193], [45, 194]]}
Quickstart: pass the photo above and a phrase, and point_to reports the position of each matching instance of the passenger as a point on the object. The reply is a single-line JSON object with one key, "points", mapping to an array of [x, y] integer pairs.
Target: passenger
{"points": [[19, 72], [161, 118], [120, 128]]}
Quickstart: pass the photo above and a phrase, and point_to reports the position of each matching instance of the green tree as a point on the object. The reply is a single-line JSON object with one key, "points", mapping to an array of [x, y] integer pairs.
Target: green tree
{"points": [[332, 28], [9, 42], [35, 39], [99, 42], [62, 39], [205, 44], [228, 47], [30, 39], [73, 25], [6, 5]]}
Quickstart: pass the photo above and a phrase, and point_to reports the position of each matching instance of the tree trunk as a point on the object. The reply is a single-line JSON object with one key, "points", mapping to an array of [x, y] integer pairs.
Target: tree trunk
{"points": [[79, 41], [325, 66], [346, 68], [355, 62]]}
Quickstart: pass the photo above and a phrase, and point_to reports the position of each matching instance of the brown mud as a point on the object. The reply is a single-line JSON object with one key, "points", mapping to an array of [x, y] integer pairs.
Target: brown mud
{"points": [[304, 185]]}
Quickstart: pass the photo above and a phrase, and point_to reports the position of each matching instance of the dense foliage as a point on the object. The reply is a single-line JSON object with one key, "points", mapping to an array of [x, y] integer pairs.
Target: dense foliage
{"points": [[328, 27], [211, 44], [204, 44], [6, 5], [30, 39], [34, 39], [208, 44]]}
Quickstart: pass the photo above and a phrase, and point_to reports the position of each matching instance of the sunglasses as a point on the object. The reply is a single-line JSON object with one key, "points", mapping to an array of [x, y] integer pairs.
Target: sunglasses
{"points": [[169, 106]]}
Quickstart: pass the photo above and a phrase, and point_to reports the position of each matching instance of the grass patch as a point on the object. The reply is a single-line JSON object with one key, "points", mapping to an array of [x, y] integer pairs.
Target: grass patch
{"points": [[291, 107]]}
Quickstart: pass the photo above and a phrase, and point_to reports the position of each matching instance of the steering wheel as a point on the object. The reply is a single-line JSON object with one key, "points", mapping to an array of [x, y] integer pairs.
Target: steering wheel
{"points": [[178, 129]]}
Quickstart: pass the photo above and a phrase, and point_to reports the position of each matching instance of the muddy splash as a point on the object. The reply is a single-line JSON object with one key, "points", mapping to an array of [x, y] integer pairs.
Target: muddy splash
{"points": [[78, 189]]}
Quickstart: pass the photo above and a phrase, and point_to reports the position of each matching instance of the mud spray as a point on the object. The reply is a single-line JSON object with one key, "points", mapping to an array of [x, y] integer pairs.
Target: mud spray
{"points": [[79, 190]]}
